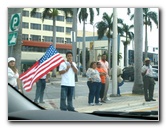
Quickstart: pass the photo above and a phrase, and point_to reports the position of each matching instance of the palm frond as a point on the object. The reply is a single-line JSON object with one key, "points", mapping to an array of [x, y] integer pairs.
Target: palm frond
{"points": [[153, 16], [67, 11], [102, 28], [91, 12], [33, 12]]}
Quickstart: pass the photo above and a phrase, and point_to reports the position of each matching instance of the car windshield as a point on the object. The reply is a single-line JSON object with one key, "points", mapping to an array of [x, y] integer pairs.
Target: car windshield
{"points": [[59, 70]]}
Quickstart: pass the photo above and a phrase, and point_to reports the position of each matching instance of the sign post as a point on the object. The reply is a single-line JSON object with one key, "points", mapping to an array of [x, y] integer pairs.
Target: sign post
{"points": [[13, 30]]}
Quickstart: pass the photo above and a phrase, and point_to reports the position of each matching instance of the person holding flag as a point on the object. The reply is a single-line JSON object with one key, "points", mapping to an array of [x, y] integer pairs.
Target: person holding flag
{"points": [[67, 71], [50, 60]]}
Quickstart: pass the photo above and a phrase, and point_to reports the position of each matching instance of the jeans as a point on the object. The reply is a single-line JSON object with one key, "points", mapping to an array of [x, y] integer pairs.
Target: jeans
{"points": [[119, 84], [94, 91], [40, 87], [66, 92]]}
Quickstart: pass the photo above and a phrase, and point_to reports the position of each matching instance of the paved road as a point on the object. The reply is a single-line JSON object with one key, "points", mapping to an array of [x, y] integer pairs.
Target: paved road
{"points": [[52, 90], [127, 102]]}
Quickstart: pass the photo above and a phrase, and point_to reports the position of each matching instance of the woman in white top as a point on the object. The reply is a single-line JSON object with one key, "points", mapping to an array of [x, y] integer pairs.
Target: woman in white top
{"points": [[13, 75]]}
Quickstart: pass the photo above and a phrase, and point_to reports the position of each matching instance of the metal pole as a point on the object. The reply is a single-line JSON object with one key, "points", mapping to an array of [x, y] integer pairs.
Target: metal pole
{"points": [[114, 53], [11, 51], [84, 52]]}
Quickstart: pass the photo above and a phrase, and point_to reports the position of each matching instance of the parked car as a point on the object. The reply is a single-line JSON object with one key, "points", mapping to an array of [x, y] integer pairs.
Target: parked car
{"points": [[128, 73], [155, 74], [155, 66]]}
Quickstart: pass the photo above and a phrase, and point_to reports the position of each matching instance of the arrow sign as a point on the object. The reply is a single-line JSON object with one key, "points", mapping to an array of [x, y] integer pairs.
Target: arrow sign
{"points": [[12, 37]]}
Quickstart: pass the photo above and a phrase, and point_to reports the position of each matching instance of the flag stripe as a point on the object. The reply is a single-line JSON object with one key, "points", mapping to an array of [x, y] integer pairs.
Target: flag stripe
{"points": [[39, 73], [48, 62], [25, 77], [34, 80]]}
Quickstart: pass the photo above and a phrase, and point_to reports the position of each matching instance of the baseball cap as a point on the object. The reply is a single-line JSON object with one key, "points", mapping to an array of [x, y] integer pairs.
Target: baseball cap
{"points": [[11, 59]]}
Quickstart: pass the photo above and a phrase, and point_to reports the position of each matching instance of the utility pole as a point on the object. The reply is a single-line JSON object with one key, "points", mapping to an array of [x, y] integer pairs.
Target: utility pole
{"points": [[114, 54], [74, 37]]}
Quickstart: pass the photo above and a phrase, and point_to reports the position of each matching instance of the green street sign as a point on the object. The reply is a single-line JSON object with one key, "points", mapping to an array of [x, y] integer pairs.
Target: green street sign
{"points": [[12, 37], [14, 22]]}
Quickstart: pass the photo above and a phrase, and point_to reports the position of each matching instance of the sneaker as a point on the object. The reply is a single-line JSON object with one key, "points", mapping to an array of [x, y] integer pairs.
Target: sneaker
{"points": [[91, 104], [36, 102], [42, 102], [107, 99], [102, 101], [119, 95], [147, 100], [72, 110], [99, 103], [152, 99]]}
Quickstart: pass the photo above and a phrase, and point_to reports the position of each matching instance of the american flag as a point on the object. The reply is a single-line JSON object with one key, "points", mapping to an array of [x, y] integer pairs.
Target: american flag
{"points": [[48, 62]]}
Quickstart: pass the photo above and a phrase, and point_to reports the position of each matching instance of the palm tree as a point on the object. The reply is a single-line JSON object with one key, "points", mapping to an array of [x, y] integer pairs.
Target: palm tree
{"points": [[105, 27], [52, 13], [138, 41], [129, 35], [148, 17], [83, 15]]}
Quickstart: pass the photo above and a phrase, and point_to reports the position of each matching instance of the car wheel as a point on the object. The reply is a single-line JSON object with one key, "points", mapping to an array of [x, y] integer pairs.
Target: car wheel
{"points": [[129, 78]]}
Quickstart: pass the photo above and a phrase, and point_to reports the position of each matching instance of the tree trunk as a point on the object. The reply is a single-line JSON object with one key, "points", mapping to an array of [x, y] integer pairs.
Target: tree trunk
{"points": [[74, 43], [109, 54], [125, 55], [146, 42], [54, 42], [138, 39]]}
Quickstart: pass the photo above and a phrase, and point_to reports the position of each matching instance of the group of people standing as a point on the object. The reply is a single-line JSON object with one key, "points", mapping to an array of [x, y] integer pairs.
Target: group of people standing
{"points": [[97, 81]]}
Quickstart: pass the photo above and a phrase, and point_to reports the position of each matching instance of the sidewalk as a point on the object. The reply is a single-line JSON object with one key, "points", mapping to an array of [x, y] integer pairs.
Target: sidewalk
{"points": [[126, 102]]}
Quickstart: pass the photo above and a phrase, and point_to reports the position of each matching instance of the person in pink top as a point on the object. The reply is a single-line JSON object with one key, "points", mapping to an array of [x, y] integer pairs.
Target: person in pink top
{"points": [[105, 65]]}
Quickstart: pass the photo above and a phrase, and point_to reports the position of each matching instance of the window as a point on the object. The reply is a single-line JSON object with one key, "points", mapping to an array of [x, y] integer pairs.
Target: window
{"points": [[25, 37], [60, 18], [36, 37], [36, 26], [60, 40], [68, 40], [33, 49], [48, 27], [37, 15], [25, 13], [68, 30], [59, 29], [48, 18], [48, 38], [69, 19], [25, 25]]}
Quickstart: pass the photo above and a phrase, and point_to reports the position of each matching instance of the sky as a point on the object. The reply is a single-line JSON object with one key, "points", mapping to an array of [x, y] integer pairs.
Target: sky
{"points": [[153, 36]]}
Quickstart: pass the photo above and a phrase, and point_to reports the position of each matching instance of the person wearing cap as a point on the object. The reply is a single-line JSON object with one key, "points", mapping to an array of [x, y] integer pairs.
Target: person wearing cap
{"points": [[13, 75], [148, 81]]}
